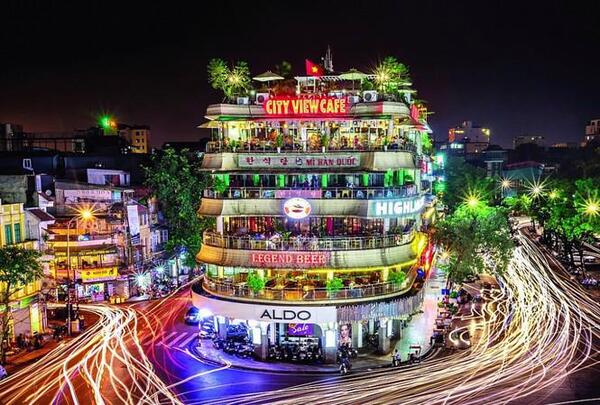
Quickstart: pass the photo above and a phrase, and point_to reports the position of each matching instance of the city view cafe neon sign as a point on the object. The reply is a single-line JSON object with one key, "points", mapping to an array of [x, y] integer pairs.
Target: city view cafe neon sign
{"points": [[306, 106]]}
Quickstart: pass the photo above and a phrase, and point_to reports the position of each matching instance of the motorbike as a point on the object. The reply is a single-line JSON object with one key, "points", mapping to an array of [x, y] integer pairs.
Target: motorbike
{"points": [[345, 366], [274, 353], [230, 347], [245, 350]]}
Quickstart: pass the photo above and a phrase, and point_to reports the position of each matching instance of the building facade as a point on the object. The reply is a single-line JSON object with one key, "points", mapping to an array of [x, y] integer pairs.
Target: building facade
{"points": [[592, 131], [318, 202], [138, 137], [28, 313], [468, 140]]}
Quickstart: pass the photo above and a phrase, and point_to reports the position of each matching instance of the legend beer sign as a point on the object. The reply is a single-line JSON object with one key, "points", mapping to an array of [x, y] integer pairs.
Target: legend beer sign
{"points": [[306, 106], [289, 259], [393, 208]]}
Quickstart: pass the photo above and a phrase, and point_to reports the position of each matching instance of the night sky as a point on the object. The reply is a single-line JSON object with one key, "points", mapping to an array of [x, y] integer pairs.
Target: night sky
{"points": [[515, 67]]}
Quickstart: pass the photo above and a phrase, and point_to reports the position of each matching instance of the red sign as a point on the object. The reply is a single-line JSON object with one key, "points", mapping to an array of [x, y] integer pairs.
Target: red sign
{"points": [[306, 106], [289, 259]]}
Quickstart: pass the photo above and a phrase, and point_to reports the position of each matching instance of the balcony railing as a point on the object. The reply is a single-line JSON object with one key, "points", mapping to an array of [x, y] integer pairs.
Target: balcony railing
{"points": [[307, 293], [330, 192], [266, 147], [301, 243]]}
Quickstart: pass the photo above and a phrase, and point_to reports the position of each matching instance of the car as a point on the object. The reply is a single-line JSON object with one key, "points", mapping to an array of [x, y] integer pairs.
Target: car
{"points": [[192, 316], [3, 373]]}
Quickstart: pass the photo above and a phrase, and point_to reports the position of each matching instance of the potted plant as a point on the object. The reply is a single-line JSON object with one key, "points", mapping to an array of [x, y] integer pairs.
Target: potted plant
{"points": [[324, 142], [255, 283], [334, 285], [279, 142], [397, 278], [386, 142], [453, 297]]}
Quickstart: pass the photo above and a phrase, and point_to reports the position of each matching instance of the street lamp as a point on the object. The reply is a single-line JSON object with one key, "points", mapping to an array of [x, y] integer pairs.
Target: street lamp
{"points": [[83, 214]]}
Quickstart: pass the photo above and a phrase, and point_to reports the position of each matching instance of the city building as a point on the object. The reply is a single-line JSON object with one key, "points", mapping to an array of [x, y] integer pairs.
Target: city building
{"points": [[524, 139], [318, 201], [138, 137], [592, 131], [28, 312], [494, 157], [474, 138]]}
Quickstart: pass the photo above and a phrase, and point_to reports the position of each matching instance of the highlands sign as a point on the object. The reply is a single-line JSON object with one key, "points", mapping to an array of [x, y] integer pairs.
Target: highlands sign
{"points": [[395, 207]]}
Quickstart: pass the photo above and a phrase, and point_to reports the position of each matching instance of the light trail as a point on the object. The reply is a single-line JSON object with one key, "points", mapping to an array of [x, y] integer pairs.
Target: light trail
{"points": [[105, 364], [527, 337], [531, 334]]}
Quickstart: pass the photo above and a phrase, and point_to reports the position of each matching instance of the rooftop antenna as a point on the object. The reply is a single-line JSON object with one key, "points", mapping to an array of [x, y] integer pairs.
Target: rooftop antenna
{"points": [[328, 60]]}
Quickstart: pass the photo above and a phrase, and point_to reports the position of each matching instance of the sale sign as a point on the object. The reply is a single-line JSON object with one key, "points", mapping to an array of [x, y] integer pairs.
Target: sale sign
{"points": [[316, 106]]}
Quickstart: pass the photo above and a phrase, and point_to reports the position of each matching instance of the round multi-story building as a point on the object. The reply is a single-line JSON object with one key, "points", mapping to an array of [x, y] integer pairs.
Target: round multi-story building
{"points": [[319, 202]]}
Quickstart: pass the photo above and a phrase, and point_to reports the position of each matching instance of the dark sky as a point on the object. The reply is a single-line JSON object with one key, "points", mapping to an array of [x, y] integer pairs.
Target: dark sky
{"points": [[516, 67]]}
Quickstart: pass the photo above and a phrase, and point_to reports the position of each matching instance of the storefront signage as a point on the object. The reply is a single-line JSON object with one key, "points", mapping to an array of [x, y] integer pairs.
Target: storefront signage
{"points": [[299, 314], [109, 273], [297, 208], [317, 106], [395, 207], [316, 161], [285, 315], [298, 193], [75, 196], [300, 329], [289, 259]]}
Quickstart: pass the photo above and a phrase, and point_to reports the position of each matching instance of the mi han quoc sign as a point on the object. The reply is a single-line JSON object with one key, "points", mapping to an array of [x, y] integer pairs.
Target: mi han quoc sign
{"points": [[306, 106]]}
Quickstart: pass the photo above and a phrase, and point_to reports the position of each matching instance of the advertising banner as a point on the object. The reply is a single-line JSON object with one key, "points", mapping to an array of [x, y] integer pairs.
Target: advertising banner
{"points": [[109, 273], [291, 259], [266, 313], [300, 329], [310, 161], [134, 223], [393, 208]]}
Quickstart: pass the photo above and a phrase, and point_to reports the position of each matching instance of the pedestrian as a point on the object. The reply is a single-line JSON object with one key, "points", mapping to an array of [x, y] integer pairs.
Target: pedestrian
{"points": [[20, 341]]}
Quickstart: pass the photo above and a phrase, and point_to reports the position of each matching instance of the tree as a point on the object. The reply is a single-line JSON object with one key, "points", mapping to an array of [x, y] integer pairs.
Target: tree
{"points": [[255, 282], [391, 75], [570, 215], [284, 69], [18, 267], [464, 180], [176, 180], [477, 238], [397, 277], [232, 81]]}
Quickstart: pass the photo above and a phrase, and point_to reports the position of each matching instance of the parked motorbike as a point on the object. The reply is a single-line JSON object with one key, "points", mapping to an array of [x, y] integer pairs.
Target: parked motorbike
{"points": [[345, 366], [245, 350]]}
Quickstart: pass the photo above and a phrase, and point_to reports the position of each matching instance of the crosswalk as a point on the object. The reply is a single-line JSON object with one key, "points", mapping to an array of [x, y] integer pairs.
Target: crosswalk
{"points": [[180, 340], [175, 339]]}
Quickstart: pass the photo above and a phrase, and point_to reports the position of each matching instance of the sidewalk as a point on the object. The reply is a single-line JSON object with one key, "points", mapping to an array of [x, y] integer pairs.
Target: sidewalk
{"points": [[19, 360], [418, 332]]}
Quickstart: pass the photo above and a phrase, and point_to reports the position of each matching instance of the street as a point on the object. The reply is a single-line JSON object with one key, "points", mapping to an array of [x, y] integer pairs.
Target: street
{"points": [[534, 334]]}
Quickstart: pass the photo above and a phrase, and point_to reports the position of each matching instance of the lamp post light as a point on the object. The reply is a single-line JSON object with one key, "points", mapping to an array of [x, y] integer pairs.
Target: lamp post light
{"points": [[85, 214]]}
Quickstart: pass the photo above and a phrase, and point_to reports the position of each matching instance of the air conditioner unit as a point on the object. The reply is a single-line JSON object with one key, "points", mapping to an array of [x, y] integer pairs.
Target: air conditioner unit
{"points": [[261, 98], [369, 96], [243, 100], [353, 99], [338, 94]]}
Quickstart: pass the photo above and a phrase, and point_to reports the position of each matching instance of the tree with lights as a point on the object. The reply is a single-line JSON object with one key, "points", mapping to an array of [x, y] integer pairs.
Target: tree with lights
{"points": [[464, 179], [18, 267], [176, 180], [476, 237], [232, 81]]}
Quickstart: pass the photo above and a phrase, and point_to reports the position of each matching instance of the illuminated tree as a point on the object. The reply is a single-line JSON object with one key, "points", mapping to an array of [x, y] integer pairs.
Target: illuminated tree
{"points": [[18, 267], [391, 75], [462, 180], [233, 82], [477, 239]]}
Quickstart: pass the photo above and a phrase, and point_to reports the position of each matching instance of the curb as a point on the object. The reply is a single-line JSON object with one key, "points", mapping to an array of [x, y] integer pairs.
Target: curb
{"points": [[193, 348]]}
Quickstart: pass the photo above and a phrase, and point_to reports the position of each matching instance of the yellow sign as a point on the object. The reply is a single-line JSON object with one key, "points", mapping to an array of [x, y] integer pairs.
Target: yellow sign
{"points": [[102, 273]]}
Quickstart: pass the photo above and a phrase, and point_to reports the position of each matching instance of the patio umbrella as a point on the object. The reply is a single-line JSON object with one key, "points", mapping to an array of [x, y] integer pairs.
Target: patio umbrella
{"points": [[268, 77], [353, 75]]}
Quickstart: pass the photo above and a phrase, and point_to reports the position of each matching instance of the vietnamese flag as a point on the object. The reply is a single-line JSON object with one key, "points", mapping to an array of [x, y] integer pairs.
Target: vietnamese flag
{"points": [[312, 69]]}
